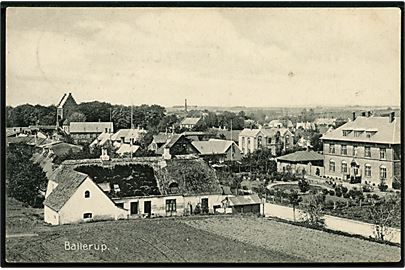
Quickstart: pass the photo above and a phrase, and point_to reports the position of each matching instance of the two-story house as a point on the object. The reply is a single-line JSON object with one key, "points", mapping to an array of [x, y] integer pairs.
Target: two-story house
{"points": [[276, 139], [86, 132], [364, 150]]}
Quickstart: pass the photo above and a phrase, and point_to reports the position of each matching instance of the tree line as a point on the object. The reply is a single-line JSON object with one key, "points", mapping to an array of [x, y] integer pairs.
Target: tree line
{"points": [[151, 117]]}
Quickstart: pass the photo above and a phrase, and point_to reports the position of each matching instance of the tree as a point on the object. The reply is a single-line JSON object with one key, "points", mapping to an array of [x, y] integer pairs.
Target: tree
{"points": [[314, 209], [168, 122], [77, 117], [303, 185], [260, 161], [25, 179], [383, 214], [95, 111], [27, 114], [316, 142], [294, 200]]}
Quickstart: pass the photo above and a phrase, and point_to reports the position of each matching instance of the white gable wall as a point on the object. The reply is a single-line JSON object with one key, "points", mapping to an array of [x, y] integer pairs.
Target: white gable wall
{"points": [[50, 187], [99, 205], [51, 216]]}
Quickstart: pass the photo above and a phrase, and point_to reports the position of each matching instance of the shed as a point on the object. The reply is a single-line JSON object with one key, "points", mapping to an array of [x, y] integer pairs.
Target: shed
{"points": [[245, 204]]}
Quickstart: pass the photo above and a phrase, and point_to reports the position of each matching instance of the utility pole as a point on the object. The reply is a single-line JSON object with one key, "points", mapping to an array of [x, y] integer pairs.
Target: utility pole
{"points": [[132, 116], [231, 143]]}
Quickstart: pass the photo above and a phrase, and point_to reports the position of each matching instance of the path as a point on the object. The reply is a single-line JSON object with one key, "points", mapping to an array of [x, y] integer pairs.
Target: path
{"points": [[21, 235]]}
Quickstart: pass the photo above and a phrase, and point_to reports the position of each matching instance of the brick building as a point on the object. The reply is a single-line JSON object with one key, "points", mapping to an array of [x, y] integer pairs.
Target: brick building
{"points": [[66, 106], [364, 150]]}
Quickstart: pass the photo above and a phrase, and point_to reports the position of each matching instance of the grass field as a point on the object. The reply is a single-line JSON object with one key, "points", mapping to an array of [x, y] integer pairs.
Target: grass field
{"points": [[197, 239]]}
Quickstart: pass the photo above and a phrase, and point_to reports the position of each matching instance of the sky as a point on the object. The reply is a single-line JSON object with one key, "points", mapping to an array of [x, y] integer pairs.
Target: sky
{"points": [[213, 57]]}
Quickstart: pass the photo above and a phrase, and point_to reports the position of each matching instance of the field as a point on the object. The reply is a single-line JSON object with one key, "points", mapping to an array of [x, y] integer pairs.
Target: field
{"points": [[198, 239]]}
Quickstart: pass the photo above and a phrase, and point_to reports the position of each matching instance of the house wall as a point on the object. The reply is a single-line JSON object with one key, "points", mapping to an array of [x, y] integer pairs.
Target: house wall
{"points": [[101, 207], [249, 144], [51, 216], [297, 168], [235, 154], [374, 161], [243, 209], [158, 204], [67, 109], [183, 147], [84, 137]]}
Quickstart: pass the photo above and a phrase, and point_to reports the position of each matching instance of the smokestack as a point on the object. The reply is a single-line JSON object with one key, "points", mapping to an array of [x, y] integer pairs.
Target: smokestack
{"points": [[354, 116], [392, 117], [185, 105]]}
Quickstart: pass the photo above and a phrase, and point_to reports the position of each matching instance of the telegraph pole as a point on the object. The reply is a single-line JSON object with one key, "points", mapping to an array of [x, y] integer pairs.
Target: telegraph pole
{"points": [[231, 143]]}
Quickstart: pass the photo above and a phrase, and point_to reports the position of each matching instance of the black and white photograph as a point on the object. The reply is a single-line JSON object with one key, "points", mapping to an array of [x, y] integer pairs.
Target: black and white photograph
{"points": [[195, 134]]}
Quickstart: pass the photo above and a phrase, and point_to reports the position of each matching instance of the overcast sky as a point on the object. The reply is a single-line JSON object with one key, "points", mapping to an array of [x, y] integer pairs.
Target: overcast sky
{"points": [[228, 57]]}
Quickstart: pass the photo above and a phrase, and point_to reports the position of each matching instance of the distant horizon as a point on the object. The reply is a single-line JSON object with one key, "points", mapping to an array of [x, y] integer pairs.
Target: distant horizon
{"points": [[258, 57], [178, 106]]}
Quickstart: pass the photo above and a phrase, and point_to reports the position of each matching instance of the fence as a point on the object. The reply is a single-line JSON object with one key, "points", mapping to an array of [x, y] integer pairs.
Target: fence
{"points": [[332, 222]]}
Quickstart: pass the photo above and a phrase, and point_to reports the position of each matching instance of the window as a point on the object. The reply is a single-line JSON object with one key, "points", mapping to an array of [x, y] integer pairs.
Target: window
{"points": [[344, 167], [269, 140], [344, 150], [87, 194], [259, 141], [367, 170], [120, 205], [87, 215], [367, 151], [383, 172], [171, 205], [383, 153], [332, 166], [331, 148], [243, 142], [354, 150], [357, 133]]}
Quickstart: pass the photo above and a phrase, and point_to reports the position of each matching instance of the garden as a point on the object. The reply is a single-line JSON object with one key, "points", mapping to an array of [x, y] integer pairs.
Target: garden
{"points": [[334, 199]]}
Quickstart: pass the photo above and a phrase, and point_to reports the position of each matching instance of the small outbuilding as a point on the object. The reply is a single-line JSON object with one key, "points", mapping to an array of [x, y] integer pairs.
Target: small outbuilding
{"points": [[310, 161], [245, 204]]}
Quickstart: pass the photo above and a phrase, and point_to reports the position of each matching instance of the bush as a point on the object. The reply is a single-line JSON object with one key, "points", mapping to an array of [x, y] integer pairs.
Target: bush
{"points": [[396, 184], [197, 209], [303, 185], [331, 192], [329, 204], [338, 193], [325, 191], [375, 197], [346, 195], [344, 189], [382, 187], [367, 188]]}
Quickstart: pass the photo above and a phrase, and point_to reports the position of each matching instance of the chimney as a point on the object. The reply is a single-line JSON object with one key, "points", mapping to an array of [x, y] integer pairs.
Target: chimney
{"points": [[185, 105], [354, 116], [392, 117]]}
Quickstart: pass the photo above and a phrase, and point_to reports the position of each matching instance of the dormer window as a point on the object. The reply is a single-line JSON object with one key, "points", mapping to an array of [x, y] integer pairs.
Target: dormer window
{"points": [[346, 132], [357, 133]]}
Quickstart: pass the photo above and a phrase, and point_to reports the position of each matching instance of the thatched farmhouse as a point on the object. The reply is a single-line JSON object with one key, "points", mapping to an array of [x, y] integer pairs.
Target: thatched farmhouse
{"points": [[86, 190]]}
